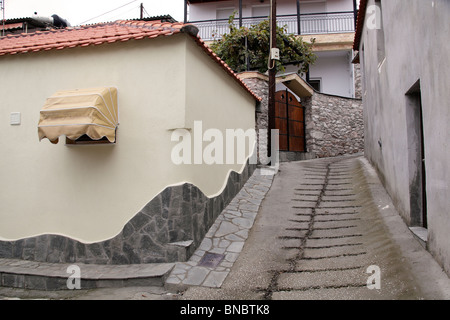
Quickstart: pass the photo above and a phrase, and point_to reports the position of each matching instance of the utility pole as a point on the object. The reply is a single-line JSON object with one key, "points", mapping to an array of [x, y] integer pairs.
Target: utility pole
{"points": [[272, 70], [142, 11], [2, 8]]}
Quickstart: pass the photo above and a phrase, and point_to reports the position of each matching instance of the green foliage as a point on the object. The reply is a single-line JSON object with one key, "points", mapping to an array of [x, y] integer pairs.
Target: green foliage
{"points": [[253, 45]]}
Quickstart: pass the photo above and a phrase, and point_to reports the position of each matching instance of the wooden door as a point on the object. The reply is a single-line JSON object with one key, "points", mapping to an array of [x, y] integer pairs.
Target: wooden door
{"points": [[290, 121]]}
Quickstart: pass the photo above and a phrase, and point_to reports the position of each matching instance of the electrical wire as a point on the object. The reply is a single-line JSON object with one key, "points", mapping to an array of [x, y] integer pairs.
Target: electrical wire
{"points": [[108, 12], [146, 12], [123, 13]]}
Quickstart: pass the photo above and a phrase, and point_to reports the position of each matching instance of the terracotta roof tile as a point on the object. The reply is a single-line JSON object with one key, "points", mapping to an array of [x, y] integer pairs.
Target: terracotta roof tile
{"points": [[121, 30], [97, 34]]}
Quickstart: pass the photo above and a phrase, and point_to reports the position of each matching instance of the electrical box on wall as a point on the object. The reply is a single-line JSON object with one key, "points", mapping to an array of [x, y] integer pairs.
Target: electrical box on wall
{"points": [[275, 54], [14, 118]]}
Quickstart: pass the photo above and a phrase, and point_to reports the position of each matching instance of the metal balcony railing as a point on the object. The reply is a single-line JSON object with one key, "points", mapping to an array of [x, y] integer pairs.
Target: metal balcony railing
{"points": [[310, 23]]}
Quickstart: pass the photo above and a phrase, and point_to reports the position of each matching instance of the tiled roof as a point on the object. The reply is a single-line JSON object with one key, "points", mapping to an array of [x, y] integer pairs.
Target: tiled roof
{"points": [[360, 23], [85, 36], [103, 33], [9, 26]]}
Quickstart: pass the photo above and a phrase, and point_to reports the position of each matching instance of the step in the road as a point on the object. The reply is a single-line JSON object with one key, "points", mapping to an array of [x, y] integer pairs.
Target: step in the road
{"points": [[58, 276]]}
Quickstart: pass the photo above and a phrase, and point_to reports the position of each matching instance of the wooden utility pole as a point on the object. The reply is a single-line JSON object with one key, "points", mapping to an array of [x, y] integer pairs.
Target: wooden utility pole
{"points": [[142, 11], [272, 71]]}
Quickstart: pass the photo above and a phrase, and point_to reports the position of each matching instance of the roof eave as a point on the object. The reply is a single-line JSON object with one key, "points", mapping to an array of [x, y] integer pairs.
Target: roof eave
{"points": [[360, 24]]}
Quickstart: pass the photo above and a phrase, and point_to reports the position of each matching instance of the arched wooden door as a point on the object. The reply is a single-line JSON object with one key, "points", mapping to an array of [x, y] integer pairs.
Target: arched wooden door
{"points": [[290, 121]]}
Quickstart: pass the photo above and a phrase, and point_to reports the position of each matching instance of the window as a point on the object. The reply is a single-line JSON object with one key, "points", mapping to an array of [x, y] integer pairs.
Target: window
{"points": [[85, 139], [315, 83]]}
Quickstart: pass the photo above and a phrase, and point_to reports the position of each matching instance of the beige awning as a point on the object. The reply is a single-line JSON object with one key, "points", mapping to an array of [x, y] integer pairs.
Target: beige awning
{"points": [[74, 113]]}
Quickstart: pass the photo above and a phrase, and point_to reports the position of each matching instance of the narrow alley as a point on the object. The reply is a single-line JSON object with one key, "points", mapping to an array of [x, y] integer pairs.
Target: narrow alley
{"points": [[324, 232]]}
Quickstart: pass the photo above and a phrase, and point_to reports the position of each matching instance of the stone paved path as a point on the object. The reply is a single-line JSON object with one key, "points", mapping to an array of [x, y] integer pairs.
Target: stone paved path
{"points": [[212, 261]]}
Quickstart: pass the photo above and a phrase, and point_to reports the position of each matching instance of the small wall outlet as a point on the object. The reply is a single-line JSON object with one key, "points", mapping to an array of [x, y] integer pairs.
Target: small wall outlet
{"points": [[14, 118]]}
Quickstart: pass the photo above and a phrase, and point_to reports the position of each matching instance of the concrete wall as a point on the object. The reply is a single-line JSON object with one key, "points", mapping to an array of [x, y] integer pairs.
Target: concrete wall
{"points": [[416, 50], [89, 193], [216, 99], [335, 72]]}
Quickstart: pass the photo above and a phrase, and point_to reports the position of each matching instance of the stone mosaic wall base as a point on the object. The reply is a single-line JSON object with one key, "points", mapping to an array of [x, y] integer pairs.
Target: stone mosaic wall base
{"points": [[168, 229]]}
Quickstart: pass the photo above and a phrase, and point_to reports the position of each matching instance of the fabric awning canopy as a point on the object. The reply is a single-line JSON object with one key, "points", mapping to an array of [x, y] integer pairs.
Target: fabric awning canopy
{"points": [[74, 113]]}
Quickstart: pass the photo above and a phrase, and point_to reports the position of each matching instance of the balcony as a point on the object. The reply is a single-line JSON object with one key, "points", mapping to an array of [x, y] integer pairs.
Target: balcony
{"points": [[311, 23]]}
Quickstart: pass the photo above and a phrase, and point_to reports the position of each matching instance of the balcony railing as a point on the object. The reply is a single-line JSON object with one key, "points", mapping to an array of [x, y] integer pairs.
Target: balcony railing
{"points": [[310, 23]]}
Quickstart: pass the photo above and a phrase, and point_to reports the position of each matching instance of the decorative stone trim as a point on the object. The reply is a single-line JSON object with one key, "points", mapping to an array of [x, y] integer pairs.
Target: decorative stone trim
{"points": [[156, 234]]}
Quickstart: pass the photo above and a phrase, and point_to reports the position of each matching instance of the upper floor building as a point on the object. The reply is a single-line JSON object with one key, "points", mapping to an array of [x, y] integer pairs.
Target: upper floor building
{"points": [[330, 22], [300, 17]]}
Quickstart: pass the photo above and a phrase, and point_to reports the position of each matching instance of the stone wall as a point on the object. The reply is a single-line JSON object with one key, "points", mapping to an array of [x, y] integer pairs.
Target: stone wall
{"points": [[168, 229], [358, 81], [261, 88], [334, 125]]}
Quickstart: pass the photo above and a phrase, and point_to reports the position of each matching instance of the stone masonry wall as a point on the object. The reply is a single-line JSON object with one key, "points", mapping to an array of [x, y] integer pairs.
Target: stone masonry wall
{"points": [[168, 229], [334, 125], [358, 80], [261, 88]]}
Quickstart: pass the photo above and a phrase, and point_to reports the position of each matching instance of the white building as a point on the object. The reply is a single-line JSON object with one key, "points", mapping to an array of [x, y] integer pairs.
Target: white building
{"points": [[330, 22]]}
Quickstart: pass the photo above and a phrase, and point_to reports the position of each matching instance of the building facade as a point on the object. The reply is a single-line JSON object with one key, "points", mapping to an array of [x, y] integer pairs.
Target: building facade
{"points": [[403, 52], [124, 200], [330, 22]]}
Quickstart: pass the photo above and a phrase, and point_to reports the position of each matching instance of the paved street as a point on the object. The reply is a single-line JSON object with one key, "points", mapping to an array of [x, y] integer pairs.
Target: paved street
{"points": [[319, 230], [321, 226]]}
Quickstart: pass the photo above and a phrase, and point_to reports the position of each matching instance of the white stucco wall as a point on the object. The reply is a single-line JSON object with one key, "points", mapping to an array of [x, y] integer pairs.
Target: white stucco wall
{"points": [[89, 192], [221, 103], [411, 54], [335, 72]]}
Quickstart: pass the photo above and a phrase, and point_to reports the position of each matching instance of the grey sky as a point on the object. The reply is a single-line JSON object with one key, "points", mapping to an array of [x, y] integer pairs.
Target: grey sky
{"points": [[83, 11]]}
